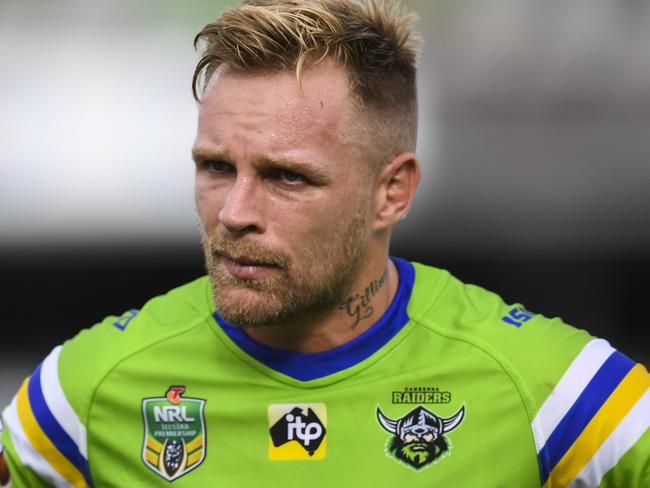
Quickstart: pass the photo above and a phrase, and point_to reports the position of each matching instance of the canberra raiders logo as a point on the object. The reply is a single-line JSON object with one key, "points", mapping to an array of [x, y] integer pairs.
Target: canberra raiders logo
{"points": [[174, 433], [419, 438]]}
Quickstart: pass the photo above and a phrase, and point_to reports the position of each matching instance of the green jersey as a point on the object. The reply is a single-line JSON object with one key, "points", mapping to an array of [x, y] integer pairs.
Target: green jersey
{"points": [[450, 387]]}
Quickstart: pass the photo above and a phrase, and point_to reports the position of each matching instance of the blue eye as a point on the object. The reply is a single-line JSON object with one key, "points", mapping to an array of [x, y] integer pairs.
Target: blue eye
{"points": [[219, 167], [291, 176]]}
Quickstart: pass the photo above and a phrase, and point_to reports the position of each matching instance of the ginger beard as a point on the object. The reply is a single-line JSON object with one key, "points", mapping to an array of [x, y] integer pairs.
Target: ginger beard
{"points": [[312, 282]]}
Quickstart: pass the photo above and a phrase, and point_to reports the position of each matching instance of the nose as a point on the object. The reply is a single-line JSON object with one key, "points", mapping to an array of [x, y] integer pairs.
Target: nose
{"points": [[241, 211], [420, 431]]}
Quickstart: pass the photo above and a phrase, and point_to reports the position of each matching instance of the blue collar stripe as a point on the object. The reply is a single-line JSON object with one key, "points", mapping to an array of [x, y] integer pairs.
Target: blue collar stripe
{"points": [[305, 366]]}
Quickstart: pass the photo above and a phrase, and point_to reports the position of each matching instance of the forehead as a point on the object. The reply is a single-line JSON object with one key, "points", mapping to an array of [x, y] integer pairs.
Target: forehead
{"points": [[273, 112]]}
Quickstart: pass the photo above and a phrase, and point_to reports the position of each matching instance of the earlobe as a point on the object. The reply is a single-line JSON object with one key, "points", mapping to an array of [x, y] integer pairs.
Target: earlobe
{"points": [[396, 187]]}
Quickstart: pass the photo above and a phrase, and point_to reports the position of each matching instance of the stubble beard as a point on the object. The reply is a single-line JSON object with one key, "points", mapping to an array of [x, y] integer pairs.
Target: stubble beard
{"points": [[316, 284]]}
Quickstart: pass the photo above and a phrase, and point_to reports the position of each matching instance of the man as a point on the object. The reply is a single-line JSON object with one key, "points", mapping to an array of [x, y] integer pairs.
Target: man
{"points": [[307, 356]]}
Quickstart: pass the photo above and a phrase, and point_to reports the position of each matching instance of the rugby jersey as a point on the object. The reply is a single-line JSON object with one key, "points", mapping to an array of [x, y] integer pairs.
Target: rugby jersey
{"points": [[452, 386]]}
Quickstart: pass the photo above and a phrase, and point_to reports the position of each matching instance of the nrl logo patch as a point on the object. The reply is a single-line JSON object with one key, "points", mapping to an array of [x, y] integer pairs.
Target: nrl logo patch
{"points": [[419, 438], [174, 433]]}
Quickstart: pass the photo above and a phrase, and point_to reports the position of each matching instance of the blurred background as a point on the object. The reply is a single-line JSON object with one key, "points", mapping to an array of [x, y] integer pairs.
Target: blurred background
{"points": [[534, 141]]}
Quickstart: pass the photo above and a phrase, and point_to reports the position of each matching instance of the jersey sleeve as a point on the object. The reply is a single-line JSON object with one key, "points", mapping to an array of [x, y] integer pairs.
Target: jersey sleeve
{"points": [[588, 404], [45, 440], [44, 427], [593, 426]]}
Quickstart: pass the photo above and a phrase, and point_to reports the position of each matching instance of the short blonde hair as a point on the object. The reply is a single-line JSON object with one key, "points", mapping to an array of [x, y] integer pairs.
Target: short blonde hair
{"points": [[372, 39]]}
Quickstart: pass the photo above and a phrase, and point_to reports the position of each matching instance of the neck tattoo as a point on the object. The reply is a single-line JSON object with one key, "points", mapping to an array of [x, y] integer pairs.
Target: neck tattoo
{"points": [[358, 306]]}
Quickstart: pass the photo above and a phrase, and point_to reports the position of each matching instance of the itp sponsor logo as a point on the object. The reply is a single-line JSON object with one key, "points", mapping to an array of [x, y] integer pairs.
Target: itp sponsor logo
{"points": [[297, 431]]}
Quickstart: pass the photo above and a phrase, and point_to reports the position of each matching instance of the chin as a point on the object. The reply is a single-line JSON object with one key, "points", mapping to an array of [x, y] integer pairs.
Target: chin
{"points": [[247, 308]]}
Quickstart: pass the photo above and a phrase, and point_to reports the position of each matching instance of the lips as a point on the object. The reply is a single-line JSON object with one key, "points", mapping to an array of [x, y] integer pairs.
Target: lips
{"points": [[245, 268]]}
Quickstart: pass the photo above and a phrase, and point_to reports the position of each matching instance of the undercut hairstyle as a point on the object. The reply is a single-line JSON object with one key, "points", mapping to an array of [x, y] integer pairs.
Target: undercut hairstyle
{"points": [[373, 40]]}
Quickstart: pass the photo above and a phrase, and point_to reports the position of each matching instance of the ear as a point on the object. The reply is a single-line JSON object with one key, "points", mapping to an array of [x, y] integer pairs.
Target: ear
{"points": [[395, 189]]}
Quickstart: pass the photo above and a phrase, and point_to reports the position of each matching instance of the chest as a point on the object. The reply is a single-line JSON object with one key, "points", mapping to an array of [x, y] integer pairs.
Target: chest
{"points": [[452, 423]]}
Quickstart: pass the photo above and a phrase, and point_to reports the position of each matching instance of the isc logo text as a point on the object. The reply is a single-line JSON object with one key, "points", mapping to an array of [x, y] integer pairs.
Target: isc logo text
{"points": [[517, 316]]}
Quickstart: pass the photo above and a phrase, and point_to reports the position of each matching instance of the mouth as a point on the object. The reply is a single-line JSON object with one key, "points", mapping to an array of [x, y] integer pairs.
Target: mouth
{"points": [[246, 268], [418, 446]]}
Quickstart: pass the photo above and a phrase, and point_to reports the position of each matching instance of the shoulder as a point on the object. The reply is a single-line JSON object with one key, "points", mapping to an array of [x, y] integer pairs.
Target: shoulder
{"points": [[536, 349], [85, 359], [99, 348], [588, 403], [46, 421]]}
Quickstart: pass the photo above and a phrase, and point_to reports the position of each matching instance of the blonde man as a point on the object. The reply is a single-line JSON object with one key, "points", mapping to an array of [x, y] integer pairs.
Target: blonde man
{"points": [[308, 356]]}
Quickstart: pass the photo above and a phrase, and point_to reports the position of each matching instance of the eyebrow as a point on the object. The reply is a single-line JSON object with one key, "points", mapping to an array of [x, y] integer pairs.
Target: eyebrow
{"points": [[307, 168], [204, 154]]}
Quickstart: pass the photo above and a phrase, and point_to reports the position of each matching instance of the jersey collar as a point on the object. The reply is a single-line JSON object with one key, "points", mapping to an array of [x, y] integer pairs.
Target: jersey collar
{"points": [[311, 366]]}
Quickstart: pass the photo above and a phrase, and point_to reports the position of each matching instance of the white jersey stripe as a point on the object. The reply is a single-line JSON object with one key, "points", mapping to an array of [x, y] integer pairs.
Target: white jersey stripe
{"points": [[569, 388], [28, 455], [58, 403], [631, 428]]}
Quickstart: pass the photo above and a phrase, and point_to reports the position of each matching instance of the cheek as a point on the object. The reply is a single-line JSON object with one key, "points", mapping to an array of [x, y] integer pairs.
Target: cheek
{"points": [[321, 226], [338, 213], [342, 224], [208, 200]]}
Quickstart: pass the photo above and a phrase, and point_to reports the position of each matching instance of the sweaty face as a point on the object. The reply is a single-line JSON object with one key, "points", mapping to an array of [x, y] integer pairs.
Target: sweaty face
{"points": [[283, 201]]}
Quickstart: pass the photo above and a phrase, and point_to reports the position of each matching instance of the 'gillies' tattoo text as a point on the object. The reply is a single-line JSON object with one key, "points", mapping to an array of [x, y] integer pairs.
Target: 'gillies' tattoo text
{"points": [[358, 305]]}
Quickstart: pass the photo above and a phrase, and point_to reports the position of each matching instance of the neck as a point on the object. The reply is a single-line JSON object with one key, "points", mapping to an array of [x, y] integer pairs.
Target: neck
{"points": [[366, 301]]}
